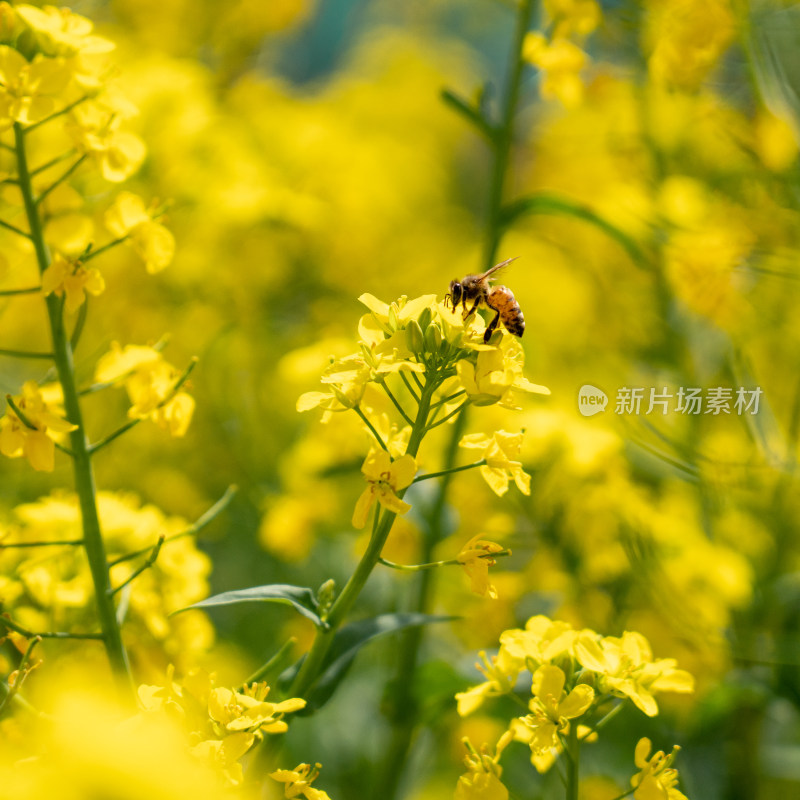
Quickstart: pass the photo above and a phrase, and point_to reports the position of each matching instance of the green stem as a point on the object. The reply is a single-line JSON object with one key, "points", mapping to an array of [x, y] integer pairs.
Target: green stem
{"points": [[371, 427], [403, 711], [82, 463], [505, 135], [315, 658], [573, 762], [428, 475]]}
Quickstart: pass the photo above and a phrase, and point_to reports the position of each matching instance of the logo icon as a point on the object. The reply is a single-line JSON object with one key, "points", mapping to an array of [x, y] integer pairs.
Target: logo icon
{"points": [[591, 400]]}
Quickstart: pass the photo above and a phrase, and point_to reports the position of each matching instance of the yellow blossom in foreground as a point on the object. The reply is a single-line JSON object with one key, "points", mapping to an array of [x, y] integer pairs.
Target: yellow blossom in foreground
{"points": [[627, 668], [657, 778], [496, 375], [476, 558], [36, 443], [241, 712], [72, 280], [482, 780], [298, 782], [28, 90], [501, 673], [561, 61], [154, 244], [551, 710], [384, 479], [500, 452], [542, 640]]}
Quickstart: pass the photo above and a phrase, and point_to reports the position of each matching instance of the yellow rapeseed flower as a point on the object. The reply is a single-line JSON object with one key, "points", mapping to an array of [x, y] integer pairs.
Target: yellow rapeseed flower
{"points": [[476, 559], [154, 244], [36, 443], [560, 61], [298, 782], [384, 479], [500, 452], [28, 89], [482, 779], [657, 778], [72, 280]]}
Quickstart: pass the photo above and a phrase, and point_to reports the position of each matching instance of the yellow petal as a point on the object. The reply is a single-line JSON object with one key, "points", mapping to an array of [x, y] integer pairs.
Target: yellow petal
{"points": [[363, 505]]}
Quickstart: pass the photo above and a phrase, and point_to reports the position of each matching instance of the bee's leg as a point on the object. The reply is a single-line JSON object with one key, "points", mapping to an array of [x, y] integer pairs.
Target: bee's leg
{"points": [[490, 330], [468, 314]]}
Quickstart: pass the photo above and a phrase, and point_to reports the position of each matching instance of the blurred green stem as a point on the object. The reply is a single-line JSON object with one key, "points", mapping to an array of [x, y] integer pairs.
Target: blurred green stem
{"points": [[572, 747], [404, 712], [504, 140], [81, 456]]}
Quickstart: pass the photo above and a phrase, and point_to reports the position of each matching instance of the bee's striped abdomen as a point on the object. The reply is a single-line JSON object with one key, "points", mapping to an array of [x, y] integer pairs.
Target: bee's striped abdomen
{"points": [[502, 300]]}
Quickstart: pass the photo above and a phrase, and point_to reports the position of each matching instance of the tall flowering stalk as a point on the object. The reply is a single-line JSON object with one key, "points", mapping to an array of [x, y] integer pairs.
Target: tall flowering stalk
{"points": [[62, 120]]}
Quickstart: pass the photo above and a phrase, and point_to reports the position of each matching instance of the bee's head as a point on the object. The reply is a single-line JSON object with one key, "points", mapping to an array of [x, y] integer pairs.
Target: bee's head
{"points": [[456, 293]]}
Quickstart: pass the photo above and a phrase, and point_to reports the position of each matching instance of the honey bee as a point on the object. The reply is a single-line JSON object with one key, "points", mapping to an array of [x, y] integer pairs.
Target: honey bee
{"points": [[476, 289]]}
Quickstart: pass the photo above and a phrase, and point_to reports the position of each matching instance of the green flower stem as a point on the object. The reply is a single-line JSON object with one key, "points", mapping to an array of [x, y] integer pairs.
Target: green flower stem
{"points": [[573, 762], [275, 665], [192, 530], [409, 386], [9, 227], [21, 673], [371, 427], [314, 660], [403, 707], [58, 181], [4, 546], [450, 471], [139, 570], [450, 562], [82, 463], [28, 290], [24, 354], [14, 626], [504, 139]]}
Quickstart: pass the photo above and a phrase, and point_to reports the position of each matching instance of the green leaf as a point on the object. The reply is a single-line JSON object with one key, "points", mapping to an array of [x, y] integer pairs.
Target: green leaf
{"points": [[548, 203], [300, 597], [346, 644]]}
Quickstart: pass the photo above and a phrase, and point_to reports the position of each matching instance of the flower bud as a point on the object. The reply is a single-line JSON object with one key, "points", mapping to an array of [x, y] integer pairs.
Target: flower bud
{"points": [[414, 338], [393, 324], [325, 596], [433, 338], [425, 319]]}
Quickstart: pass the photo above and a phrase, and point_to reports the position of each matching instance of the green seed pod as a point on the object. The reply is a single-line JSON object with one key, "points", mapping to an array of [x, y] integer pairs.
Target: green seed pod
{"points": [[414, 338]]}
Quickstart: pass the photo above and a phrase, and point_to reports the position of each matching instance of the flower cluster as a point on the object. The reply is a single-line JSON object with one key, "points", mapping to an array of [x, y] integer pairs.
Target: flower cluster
{"points": [[443, 365], [223, 724], [574, 673], [51, 586]]}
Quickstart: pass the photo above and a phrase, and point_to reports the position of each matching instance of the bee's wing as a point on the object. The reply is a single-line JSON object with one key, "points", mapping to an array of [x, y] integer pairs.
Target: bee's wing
{"points": [[497, 268]]}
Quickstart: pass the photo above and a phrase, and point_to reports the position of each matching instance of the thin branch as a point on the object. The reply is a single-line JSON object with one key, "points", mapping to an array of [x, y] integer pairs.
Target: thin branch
{"points": [[193, 529], [420, 384], [371, 427], [147, 564], [449, 416], [450, 562], [74, 542], [100, 250], [28, 290], [9, 227], [79, 323], [448, 399], [277, 662], [396, 403], [53, 161], [55, 115], [429, 475], [97, 387], [409, 387], [58, 181], [24, 354], [133, 423], [22, 673], [4, 620]]}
